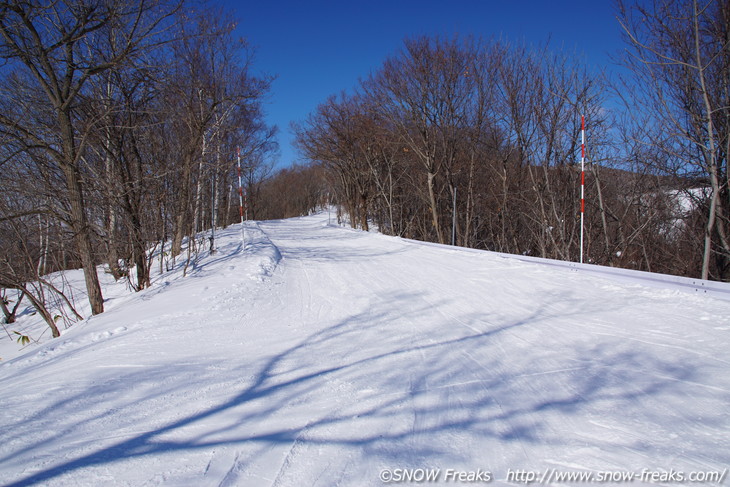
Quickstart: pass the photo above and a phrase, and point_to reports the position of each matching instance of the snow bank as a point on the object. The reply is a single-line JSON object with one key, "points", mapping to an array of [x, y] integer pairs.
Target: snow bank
{"points": [[258, 261], [718, 290]]}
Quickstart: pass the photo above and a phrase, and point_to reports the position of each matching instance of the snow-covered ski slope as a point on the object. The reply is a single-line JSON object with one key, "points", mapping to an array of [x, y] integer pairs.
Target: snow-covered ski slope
{"points": [[325, 356]]}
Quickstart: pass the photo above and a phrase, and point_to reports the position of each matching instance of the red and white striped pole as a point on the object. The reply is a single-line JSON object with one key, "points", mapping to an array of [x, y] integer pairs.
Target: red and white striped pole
{"points": [[240, 197], [582, 179]]}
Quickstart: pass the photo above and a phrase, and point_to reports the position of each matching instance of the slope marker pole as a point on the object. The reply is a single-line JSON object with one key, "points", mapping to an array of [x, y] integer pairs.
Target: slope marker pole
{"points": [[582, 179], [240, 198]]}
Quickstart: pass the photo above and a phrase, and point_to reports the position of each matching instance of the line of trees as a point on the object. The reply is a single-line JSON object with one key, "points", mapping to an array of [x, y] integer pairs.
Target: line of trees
{"points": [[478, 143], [679, 99], [119, 123], [118, 128]]}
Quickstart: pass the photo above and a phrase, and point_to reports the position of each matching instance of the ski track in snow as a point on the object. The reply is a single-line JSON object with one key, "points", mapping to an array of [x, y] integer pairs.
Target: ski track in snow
{"points": [[320, 356]]}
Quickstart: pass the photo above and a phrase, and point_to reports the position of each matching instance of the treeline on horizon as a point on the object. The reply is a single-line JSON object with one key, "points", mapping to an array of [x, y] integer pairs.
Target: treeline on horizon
{"points": [[121, 126], [479, 142]]}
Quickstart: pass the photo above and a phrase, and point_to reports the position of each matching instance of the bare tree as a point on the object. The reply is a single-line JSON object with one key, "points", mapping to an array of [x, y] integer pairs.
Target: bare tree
{"points": [[58, 48], [331, 137], [210, 81], [679, 54], [424, 92]]}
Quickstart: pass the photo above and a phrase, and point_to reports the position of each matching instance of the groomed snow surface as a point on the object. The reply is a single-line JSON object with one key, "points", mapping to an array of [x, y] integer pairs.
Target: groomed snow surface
{"points": [[325, 356]]}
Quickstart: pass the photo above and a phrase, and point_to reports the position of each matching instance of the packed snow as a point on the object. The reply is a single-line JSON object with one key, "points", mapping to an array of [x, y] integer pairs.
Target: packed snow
{"points": [[322, 356]]}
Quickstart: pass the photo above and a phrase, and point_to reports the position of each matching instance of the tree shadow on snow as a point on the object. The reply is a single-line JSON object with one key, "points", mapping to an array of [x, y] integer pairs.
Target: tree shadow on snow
{"points": [[391, 394]]}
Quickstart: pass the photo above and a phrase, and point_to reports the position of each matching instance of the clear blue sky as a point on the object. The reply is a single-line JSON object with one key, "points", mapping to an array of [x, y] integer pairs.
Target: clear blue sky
{"points": [[319, 48]]}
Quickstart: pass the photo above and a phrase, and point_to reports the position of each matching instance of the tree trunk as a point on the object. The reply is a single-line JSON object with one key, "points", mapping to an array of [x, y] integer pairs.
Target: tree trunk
{"points": [[111, 214], [712, 163], [466, 241], [112, 256], [41, 308], [434, 208], [10, 315], [82, 239], [709, 227], [181, 216], [79, 224], [602, 210], [139, 248], [198, 203], [364, 211], [44, 242]]}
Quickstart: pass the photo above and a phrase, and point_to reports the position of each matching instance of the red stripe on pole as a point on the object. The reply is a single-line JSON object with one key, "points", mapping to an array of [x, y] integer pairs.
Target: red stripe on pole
{"points": [[582, 180], [240, 198]]}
